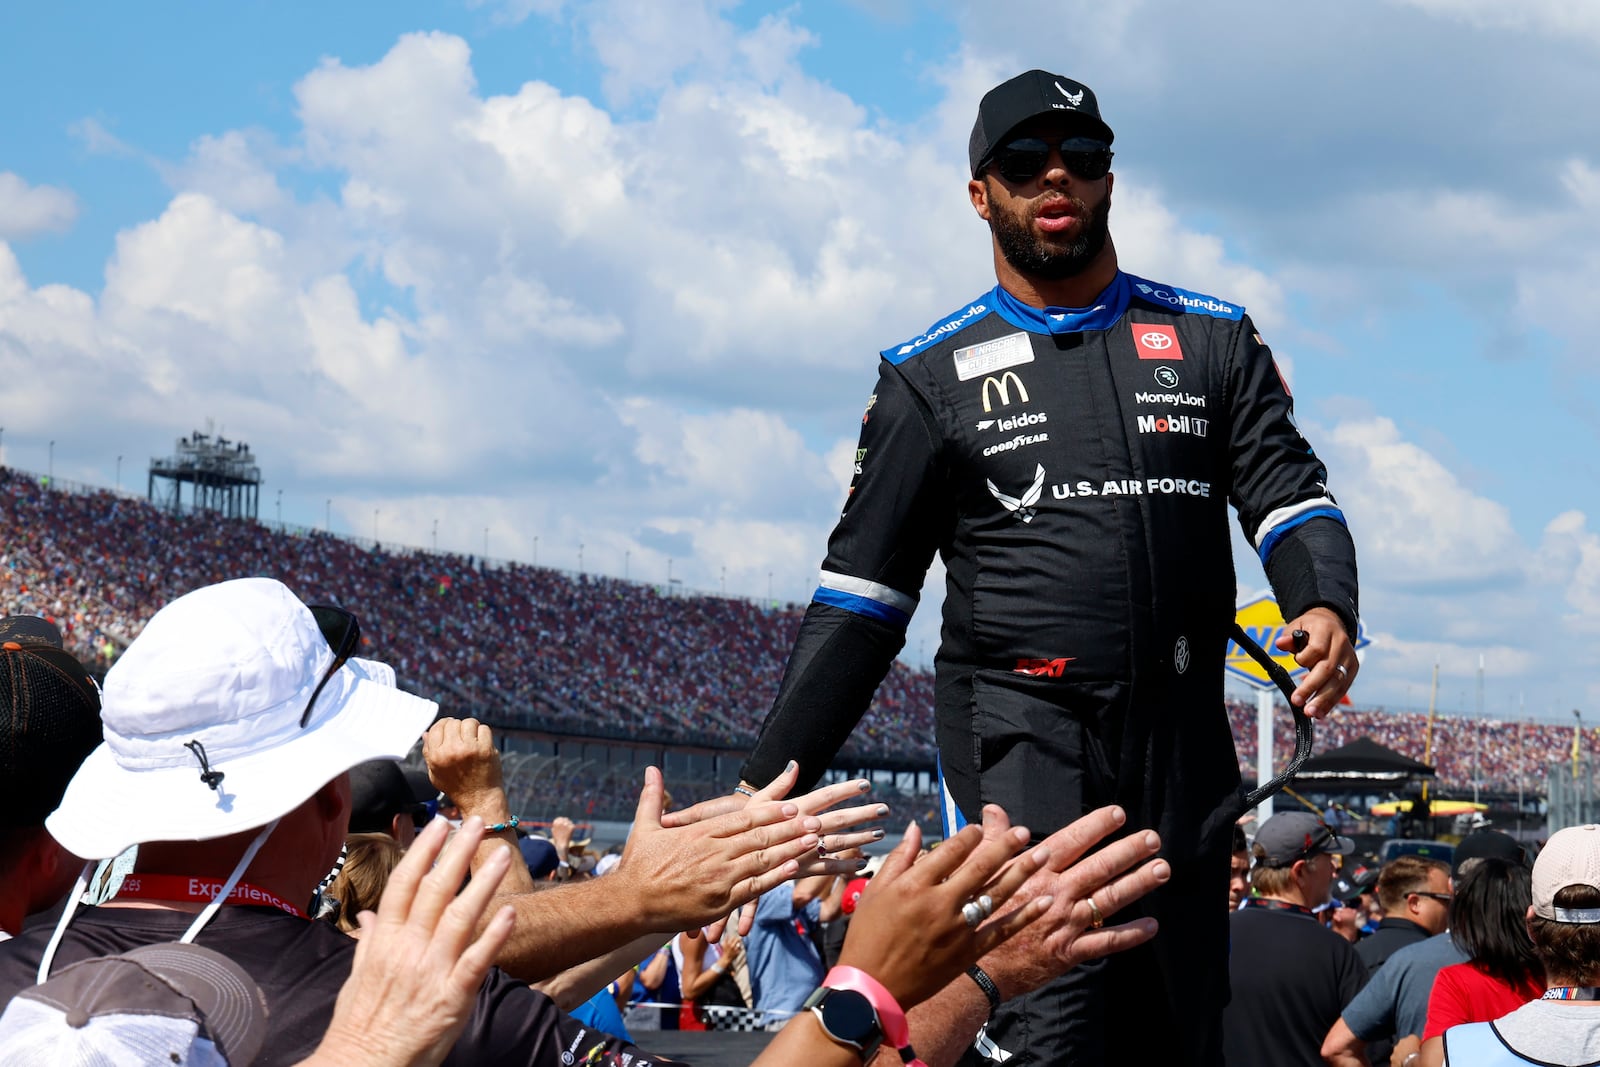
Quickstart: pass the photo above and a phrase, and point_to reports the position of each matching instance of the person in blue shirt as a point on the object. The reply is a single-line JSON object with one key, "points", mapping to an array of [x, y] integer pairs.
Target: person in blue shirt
{"points": [[783, 962]]}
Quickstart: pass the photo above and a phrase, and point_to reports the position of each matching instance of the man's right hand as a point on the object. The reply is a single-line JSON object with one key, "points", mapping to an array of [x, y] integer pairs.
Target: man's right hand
{"points": [[1065, 936], [463, 763], [687, 876]]}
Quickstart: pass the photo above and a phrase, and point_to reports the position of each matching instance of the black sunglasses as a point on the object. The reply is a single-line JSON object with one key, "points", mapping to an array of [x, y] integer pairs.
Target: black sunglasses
{"points": [[1443, 898], [342, 631], [1022, 160]]}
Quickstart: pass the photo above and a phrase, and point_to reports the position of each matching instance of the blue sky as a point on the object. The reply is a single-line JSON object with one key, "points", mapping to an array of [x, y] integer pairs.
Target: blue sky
{"points": [[615, 272]]}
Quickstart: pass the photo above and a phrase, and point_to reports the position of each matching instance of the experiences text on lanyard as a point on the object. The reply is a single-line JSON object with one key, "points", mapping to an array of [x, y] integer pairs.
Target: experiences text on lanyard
{"points": [[200, 891]]}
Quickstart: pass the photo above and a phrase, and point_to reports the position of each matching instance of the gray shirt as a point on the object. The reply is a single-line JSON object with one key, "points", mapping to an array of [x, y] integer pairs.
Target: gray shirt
{"points": [[1395, 1002], [1554, 1032]]}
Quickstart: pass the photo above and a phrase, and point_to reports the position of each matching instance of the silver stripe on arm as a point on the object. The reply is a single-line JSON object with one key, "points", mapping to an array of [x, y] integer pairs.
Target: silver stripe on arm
{"points": [[845, 583]]}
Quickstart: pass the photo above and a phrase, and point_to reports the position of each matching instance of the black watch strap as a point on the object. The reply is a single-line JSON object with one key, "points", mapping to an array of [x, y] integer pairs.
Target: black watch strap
{"points": [[985, 983]]}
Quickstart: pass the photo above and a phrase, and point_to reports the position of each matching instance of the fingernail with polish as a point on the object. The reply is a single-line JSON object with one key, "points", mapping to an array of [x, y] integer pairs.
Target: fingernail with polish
{"points": [[883, 809], [863, 785], [877, 835]]}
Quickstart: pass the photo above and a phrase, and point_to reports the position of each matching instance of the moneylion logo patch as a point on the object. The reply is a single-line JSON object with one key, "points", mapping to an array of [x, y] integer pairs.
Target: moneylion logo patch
{"points": [[1022, 506]]}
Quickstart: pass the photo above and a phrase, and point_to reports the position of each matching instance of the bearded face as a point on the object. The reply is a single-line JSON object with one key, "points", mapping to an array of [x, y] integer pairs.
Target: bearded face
{"points": [[1038, 254]]}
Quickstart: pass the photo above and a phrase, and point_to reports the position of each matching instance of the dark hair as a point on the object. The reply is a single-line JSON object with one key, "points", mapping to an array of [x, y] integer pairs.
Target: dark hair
{"points": [[1239, 842], [1570, 952], [1488, 921]]}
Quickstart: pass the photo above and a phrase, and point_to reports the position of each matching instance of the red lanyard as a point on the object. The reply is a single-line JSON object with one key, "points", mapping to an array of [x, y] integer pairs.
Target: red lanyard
{"points": [[1274, 904], [200, 891]]}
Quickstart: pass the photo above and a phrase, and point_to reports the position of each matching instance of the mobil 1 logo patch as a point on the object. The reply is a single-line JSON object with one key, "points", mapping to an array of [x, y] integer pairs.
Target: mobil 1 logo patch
{"points": [[1182, 424]]}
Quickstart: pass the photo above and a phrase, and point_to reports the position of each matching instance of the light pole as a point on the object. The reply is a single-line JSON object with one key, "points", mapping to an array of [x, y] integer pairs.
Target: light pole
{"points": [[535, 550], [436, 536], [580, 557], [50, 472], [375, 541], [627, 555], [724, 581], [327, 517], [669, 571], [119, 474], [280, 509], [769, 587]]}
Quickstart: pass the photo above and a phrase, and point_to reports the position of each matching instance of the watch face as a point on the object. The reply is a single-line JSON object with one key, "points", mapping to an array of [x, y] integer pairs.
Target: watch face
{"points": [[848, 1015]]}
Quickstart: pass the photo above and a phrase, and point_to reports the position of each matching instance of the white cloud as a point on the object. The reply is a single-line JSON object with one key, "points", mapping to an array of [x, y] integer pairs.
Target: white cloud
{"points": [[29, 210], [1569, 560], [1415, 524], [229, 168]]}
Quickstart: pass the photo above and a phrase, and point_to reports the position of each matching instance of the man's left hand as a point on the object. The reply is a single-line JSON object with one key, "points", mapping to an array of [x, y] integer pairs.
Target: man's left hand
{"points": [[1329, 657]]}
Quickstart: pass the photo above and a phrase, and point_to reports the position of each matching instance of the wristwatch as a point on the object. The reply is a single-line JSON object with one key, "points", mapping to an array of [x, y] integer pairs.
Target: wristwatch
{"points": [[847, 1017]]}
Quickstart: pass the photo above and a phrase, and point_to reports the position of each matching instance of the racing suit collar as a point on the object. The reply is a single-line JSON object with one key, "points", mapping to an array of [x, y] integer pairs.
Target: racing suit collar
{"points": [[1101, 315]]}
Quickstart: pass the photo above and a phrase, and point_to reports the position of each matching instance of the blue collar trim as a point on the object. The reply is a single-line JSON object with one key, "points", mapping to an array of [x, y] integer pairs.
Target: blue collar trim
{"points": [[1101, 315]]}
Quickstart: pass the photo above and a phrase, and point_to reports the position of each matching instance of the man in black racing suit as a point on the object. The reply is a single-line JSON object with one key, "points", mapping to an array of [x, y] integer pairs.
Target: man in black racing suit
{"points": [[1068, 443]]}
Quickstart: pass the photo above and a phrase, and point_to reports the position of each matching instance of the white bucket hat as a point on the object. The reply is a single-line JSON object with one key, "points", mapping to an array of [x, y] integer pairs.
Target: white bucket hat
{"points": [[202, 723]]}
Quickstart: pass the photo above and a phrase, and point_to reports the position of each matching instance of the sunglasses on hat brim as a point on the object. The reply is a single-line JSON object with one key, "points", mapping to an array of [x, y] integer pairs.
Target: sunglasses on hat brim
{"points": [[342, 630]]}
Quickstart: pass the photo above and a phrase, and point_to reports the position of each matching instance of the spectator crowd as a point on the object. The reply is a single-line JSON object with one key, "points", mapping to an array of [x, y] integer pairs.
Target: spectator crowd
{"points": [[580, 655]]}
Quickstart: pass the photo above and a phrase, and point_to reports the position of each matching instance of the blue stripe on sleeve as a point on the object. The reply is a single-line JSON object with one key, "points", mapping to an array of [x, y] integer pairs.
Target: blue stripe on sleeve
{"points": [[1270, 542], [860, 605]]}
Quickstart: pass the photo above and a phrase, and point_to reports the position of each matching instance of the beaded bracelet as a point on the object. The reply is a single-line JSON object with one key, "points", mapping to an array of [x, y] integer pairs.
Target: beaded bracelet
{"points": [[510, 824]]}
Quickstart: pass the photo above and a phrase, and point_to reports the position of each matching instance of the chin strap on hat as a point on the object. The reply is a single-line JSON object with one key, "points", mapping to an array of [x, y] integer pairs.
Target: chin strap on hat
{"points": [[233, 880], [188, 935], [207, 775]]}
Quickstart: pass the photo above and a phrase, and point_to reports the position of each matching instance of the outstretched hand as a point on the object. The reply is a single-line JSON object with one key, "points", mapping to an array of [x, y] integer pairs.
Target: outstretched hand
{"points": [[687, 875], [838, 831], [909, 931], [1066, 935], [420, 962]]}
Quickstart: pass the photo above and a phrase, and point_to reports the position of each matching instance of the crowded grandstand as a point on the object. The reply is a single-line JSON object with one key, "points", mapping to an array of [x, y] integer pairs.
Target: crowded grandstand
{"points": [[554, 654]]}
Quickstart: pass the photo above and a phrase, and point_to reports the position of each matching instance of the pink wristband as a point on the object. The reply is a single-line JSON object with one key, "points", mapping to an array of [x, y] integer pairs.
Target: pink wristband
{"points": [[890, 1015]]}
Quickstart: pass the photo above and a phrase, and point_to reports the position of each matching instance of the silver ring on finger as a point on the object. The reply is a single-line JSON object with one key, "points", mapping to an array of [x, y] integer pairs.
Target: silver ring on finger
{"points": [[1343, 671], [1096, 920], [972, 912], [986, 902]]}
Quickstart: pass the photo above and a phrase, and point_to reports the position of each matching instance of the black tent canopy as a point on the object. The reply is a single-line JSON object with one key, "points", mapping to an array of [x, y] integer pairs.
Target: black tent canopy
{"points": [[1361, 766]]}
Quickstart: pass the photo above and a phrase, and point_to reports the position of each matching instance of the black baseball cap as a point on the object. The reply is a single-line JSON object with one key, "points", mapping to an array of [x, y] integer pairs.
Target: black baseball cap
{"points": [[49, 719], [1487, 843], [378, 792], [1349, 885], [1036, 92], [1297, 835]]}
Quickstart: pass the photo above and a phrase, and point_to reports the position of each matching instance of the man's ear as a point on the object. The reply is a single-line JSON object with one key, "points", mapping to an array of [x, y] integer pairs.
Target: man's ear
{"points": [[978, 193], [333, 799]]}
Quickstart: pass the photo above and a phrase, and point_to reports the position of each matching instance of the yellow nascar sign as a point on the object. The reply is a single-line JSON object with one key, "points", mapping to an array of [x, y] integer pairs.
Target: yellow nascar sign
{"points": [[1263, 623]]}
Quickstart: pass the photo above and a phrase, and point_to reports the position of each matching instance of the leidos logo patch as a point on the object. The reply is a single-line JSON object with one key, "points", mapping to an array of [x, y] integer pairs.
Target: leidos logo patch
{"points": [[1156, 342]]}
